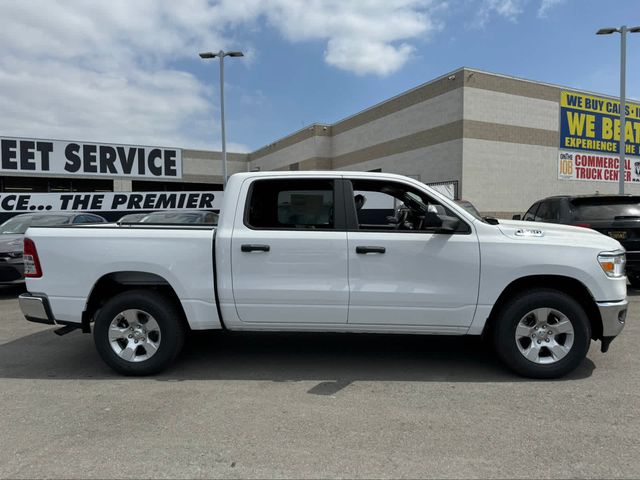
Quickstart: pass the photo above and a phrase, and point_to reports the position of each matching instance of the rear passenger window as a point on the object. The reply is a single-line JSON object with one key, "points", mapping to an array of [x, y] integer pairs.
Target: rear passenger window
{"points": [[291, 204]]}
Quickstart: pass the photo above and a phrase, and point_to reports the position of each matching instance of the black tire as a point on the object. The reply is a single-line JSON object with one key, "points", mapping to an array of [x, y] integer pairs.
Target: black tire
{"points": [[170, 324], [509, 316]]}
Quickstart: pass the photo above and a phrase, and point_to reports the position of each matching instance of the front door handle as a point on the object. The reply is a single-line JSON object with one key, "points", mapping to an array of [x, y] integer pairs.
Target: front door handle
{"points": [[252, 247], [366, 249]]}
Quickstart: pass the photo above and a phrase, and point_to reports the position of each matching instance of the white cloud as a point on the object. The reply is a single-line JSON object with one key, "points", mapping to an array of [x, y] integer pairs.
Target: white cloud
{"points": [[546, 5], [105, 70], [508, 9], [365, 36]]}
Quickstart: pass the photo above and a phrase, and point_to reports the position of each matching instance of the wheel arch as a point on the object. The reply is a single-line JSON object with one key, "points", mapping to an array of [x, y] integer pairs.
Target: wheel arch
{"points": [[113, 283], [568, 285]]}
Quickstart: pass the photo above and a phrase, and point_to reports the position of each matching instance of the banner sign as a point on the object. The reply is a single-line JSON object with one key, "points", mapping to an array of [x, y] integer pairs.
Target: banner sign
{"points": [[30, 156], [590, 136], [109, 201], [596, 167], [592, 123]]}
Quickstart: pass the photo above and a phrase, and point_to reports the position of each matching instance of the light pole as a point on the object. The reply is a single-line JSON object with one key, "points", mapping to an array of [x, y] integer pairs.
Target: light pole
{"points": [[221, 54], [623, 103]]}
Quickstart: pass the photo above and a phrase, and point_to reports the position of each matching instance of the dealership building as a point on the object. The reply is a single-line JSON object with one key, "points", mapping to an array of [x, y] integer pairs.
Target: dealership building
{"points": [[500, 142]]}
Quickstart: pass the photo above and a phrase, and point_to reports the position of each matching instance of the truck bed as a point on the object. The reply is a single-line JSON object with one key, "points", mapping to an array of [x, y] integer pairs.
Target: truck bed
{"points": [[74, 259]]}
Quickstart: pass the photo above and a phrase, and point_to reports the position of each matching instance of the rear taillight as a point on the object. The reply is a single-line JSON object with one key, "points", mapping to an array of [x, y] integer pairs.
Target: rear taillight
{"points": [[31, 261], [583, 225]]}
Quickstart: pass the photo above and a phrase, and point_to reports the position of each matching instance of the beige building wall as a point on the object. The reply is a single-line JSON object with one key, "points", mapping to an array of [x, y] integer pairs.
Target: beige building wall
{"points": [[206, 167], [496, 136], [418, 133], [511, 145]]}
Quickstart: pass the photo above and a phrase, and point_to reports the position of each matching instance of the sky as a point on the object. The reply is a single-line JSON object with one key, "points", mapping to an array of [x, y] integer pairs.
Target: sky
{"points": [[121, 71]]}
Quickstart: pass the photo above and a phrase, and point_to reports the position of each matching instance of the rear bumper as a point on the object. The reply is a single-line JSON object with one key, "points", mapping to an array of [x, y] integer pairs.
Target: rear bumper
{"points": [[35, 308], [613, 315]]}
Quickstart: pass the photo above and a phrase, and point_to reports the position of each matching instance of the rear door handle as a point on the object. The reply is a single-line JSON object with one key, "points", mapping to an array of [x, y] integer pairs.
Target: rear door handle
{"points": [[252, 247], [367, 249]]}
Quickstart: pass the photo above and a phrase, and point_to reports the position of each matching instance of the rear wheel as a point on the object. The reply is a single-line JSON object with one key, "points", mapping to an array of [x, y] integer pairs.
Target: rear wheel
{"points": [[542, 334], [139, 332]]}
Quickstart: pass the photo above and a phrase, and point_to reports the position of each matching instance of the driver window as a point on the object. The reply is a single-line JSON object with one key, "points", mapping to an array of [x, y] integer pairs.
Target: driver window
{"points": [[390, 206]]}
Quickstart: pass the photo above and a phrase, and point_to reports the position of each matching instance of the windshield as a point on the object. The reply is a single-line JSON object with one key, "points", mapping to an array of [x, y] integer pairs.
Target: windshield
{"points": [[19, 225], [605, 208], [207, 218]]}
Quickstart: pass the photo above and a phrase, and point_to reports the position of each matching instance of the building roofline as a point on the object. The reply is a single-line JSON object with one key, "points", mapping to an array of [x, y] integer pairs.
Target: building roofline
{"points": [[454, 72], [546, 84]]}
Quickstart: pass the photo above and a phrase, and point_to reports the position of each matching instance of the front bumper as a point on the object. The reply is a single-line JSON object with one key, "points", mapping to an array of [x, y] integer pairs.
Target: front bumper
{"points": [[613, 315], [35, 308]]}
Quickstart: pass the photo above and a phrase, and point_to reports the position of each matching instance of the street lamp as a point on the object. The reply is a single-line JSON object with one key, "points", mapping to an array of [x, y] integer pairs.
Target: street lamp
{"points": [[623, 73], [221, 54]]}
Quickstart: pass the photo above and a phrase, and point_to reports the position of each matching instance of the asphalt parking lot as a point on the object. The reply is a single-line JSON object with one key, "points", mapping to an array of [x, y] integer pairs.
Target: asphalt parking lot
{"points": [[309, 405]]}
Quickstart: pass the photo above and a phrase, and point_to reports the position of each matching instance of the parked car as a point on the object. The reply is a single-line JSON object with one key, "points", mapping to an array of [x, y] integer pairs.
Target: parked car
{"points": [[12, 234], [291, 253], [177, 217], [132, 217], [617, 216]]}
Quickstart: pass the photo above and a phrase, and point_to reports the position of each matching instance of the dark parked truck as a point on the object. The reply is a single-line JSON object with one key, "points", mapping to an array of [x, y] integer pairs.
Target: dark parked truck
{"points": [[617, 216], [331, 252]]}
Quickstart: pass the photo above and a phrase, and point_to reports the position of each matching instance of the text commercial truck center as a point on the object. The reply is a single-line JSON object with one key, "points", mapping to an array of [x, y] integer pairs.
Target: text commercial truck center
{"points": [[500, 142]]}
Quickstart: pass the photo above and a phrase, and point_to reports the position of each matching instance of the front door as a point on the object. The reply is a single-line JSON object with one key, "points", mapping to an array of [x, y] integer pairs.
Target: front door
{"points": [[404, 269], [289, 254]]}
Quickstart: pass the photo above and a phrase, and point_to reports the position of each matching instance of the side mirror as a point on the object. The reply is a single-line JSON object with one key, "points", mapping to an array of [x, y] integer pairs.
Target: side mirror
{"points": [[516, 217], [449, 225], [441, 223], [432, 220]]}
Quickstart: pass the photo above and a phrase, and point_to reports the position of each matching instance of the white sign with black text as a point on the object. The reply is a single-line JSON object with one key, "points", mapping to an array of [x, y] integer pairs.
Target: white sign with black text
{"points": [[31, 156], [109, 201]]}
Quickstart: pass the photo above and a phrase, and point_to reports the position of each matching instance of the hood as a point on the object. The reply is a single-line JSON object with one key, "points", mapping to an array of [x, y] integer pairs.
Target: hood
{"points": [[11, 242], [557, 233]]}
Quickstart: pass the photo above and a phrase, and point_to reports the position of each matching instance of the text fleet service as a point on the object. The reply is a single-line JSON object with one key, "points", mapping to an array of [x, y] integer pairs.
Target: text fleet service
{"points": [[87, 158]]}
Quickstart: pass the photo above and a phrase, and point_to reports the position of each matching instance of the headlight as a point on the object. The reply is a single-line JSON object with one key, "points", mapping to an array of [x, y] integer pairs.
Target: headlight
{"points": [[612, 263]]}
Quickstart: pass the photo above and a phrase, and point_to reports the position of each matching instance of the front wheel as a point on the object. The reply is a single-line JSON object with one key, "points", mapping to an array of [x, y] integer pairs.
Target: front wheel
{"points": [[138, 332], [542, 334]]}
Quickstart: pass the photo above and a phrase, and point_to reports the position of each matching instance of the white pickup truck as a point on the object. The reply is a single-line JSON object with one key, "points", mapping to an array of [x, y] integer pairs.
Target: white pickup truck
{"points": [[331, 252]]}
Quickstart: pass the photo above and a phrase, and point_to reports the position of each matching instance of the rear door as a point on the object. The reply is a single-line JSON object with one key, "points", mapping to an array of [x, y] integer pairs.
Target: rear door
{"points": [[289, 252]]}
